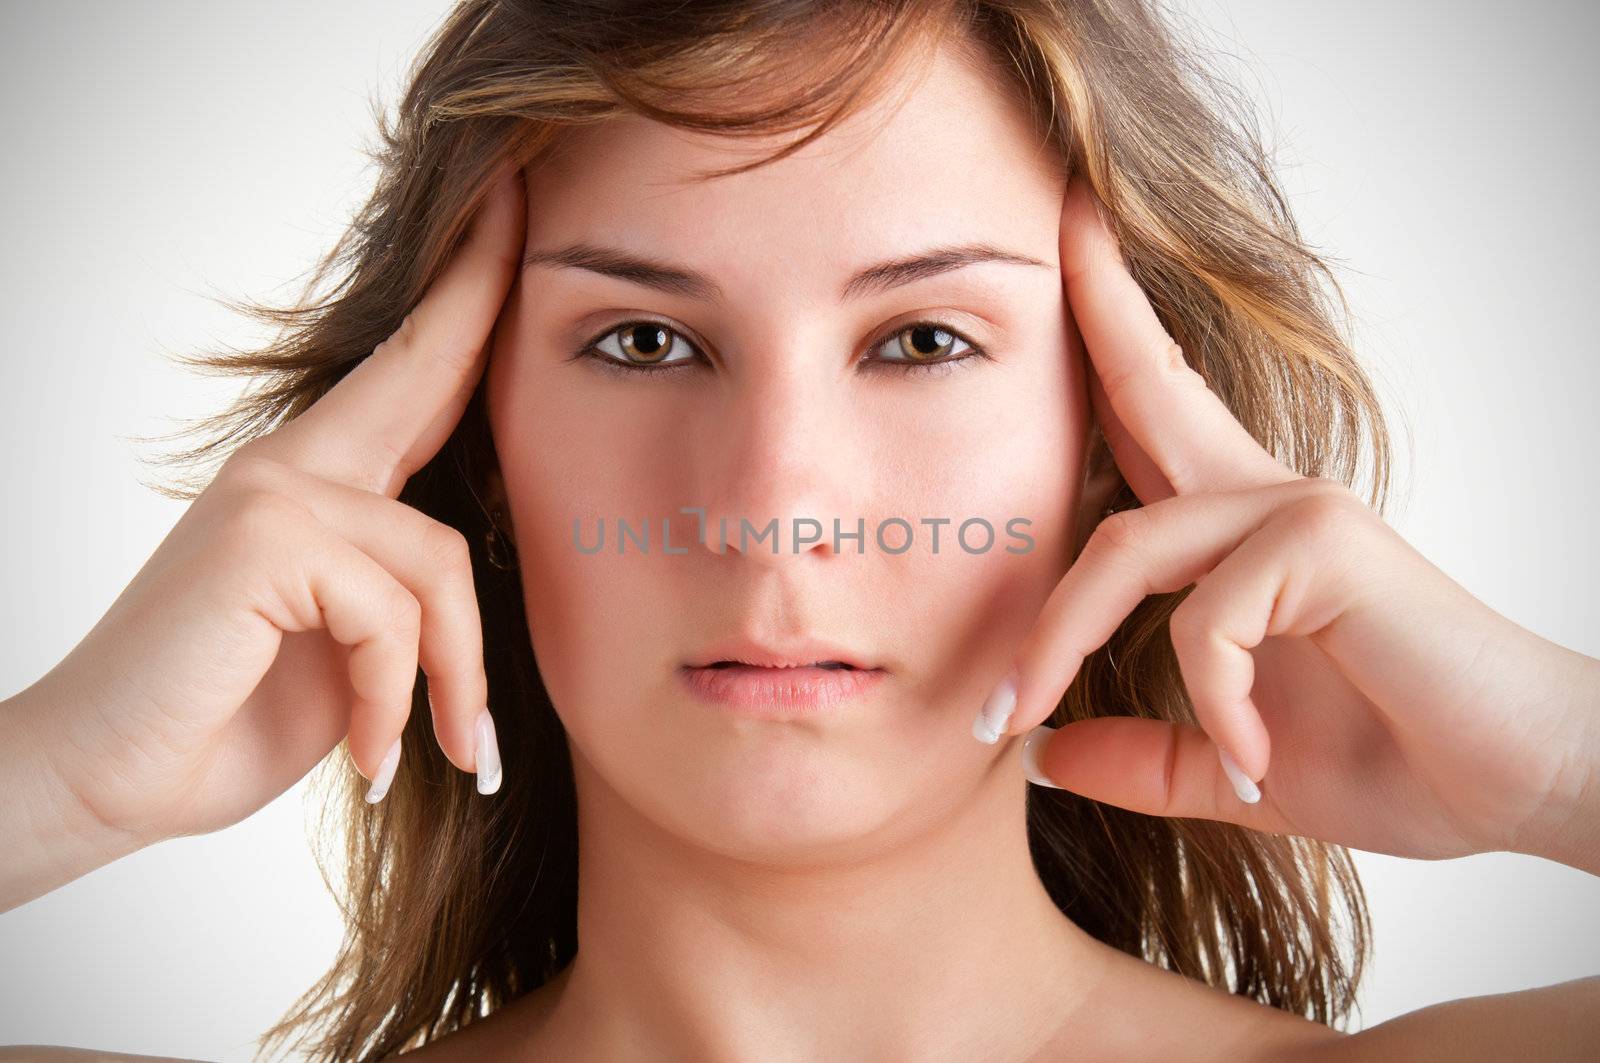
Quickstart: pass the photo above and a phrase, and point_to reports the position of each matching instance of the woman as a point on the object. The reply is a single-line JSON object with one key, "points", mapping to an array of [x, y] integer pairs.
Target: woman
{"points": [[782, 856]]}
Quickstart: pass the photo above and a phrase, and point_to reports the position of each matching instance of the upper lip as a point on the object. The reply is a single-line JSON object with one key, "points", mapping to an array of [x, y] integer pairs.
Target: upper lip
{"points": [[791, 653]]}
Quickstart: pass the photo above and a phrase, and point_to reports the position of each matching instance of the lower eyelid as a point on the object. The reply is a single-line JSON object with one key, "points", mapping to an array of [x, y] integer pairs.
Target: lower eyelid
{"points": [[944, 365], [972, 353], [606, 362]]}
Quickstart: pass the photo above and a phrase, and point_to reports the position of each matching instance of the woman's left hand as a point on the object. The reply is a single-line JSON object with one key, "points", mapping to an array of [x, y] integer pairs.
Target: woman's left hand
{"points": [[1383, 705]]}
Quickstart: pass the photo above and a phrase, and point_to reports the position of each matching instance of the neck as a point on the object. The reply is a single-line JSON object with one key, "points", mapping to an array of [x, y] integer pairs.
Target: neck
{"points": [[940, 936]]}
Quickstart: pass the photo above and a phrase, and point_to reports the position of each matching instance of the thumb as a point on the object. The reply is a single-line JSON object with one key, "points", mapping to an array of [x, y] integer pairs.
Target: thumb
{"points": [[1149, 766]]}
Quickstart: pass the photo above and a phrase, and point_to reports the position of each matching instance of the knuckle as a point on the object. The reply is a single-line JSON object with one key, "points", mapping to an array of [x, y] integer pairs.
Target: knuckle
{"points": [[446, 549], [1324, 514], [1187, 626], [406, 612], [1115, 378], [1169, 359], [455, 355], [1197, 638], [261, 515], [412, 335], [1121, 534], [1323, 485]]}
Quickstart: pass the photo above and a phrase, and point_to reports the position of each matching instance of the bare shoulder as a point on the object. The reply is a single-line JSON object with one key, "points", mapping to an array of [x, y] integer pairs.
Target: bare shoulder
{"points": [[520, 1028], [54, 1053], [1555, 1022], [1160, 1013], [1157, 1013], [1164, 1013]]}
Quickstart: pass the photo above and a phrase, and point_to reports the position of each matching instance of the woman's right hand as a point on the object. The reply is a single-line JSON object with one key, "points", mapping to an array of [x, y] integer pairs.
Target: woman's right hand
{"points": [[291, 604]]}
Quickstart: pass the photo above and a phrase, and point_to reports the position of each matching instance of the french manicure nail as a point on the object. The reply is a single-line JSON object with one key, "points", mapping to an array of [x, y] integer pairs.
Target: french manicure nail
{"points": [[488, 755], [990, 723], [385, 774], [1031, 745], [1248, 792]]}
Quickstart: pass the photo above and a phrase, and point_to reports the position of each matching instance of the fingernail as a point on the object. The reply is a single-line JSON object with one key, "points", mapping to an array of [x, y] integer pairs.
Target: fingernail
{"points": [[385, 775], [1247, 790], [990, 723], [488, 755], [1031, 745]]}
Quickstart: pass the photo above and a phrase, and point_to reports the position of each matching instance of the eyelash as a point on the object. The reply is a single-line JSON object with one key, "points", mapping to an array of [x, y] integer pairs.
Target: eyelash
{"points": [[592, 352]]}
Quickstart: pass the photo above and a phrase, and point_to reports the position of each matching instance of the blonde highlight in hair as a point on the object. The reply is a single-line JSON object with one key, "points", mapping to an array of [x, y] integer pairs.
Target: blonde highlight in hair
{"points": [[454, 906]]}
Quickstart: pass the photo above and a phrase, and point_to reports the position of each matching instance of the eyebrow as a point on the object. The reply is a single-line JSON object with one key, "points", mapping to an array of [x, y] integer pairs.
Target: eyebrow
{"points": [[680, 280]]}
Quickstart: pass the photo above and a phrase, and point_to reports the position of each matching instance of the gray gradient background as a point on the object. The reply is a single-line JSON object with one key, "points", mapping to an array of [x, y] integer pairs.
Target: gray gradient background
{"points": [[153, 154]]}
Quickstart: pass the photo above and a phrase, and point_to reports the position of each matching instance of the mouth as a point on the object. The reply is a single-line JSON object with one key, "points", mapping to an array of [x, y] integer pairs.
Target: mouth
{"points": [[788, 690], [832, 665], [782, 655]]}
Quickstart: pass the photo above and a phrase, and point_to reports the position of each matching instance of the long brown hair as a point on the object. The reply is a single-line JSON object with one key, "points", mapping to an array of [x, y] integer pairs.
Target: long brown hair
{"points": [[454, 905]]}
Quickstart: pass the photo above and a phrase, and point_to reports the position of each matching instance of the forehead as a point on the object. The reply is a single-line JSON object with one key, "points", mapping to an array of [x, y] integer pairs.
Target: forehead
{"points": [[945, 153]]}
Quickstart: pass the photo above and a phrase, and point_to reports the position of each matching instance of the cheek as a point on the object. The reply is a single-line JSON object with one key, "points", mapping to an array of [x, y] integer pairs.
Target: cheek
{"points": [[1007, 447], [997, 440], [564, 459], [1010, 452]]}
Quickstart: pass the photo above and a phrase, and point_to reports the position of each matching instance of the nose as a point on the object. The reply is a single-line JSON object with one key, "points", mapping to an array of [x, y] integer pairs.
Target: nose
{"points": [[779, 464]]}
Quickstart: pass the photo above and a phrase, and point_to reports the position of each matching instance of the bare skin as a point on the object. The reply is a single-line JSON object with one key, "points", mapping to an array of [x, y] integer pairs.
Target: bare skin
{"points": [[1160, 1014], [773, 890], [1157, 1012]]}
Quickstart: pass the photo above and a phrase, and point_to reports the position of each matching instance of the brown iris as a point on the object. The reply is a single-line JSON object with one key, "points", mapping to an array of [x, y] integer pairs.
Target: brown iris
{"points": [[645, 342], [921, 337]]}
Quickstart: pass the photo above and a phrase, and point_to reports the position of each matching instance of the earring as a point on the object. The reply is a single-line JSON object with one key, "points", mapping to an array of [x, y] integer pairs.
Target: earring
{"points": [[497, 545]]}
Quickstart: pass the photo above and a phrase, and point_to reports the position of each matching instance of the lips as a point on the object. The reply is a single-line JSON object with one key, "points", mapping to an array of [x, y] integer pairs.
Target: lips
{"points": [[792, 653], [790, 692], [836, 665], [781, 679]]}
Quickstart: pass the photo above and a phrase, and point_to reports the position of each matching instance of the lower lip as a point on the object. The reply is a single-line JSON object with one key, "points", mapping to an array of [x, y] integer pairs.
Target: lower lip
{"points": [[779, 693]]}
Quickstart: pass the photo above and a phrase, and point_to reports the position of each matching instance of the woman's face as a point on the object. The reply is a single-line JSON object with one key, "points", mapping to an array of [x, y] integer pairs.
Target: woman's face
{"points": [[788, 394]]}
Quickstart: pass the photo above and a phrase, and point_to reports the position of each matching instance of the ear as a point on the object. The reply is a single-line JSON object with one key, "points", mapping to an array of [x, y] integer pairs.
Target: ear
{"points": [[1102, 481]]}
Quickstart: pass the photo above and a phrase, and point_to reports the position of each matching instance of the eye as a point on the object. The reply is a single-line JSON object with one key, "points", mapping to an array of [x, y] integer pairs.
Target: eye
{"points": [[638, 346], [647, 346], [926, 346]]}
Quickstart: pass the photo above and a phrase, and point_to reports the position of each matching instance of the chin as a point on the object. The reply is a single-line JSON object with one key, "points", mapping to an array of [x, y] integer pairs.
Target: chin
{"points": [[785, 798]]}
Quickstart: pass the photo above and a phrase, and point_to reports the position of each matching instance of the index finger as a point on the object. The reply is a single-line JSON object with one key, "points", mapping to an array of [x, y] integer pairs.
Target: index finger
{"points": [[1157, 401], [391, 413]]}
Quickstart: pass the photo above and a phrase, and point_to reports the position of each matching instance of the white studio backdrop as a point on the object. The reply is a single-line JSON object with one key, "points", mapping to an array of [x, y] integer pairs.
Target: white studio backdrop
{"points": [[157, 154]]}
